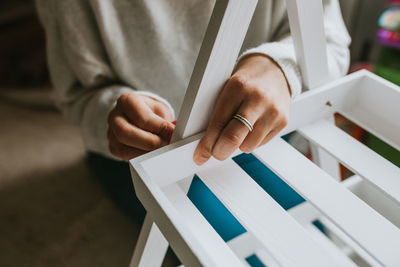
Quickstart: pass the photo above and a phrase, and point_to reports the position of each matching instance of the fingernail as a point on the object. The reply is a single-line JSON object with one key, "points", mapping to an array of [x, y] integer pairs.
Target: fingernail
{"points": [[200, 160]]}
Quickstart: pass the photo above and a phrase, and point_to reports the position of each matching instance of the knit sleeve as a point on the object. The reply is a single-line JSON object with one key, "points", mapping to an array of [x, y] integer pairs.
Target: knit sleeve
{"points": [[85, 86], [281, 49]]}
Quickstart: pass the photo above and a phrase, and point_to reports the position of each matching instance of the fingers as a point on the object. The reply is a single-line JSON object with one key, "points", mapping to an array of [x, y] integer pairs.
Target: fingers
{"points": [[134, 127], [141, 115], [267, 110], [235, 132], [269, 136], [130, 135], [261, 129], [273, 120], [226, 106], [120, 150]]}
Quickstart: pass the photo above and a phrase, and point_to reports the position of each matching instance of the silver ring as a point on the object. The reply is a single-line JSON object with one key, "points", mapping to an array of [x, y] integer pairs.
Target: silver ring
{"points": [[244, 121]]}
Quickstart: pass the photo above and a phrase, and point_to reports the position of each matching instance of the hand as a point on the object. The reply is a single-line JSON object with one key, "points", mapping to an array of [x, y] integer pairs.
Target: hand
{"points": [[258, 91], [138, 124]]}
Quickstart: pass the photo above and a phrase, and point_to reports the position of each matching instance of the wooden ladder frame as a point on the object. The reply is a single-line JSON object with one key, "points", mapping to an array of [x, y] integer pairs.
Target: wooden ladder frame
{"points": [[373, 233]]}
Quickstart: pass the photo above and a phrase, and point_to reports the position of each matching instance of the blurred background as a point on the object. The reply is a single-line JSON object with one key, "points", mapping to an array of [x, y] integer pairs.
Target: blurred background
{"points": [[52, 211]]}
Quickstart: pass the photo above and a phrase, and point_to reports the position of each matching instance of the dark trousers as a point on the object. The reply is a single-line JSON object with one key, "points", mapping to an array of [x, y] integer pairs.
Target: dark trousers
{"points": [[114, 177]]}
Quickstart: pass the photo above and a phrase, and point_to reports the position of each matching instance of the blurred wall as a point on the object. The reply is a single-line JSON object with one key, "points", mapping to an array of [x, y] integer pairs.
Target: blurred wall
{"points": [[22, 45], [361, 17]]}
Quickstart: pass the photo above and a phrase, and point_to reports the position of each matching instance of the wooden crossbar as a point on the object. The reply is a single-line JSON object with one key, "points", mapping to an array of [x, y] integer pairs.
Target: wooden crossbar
{"points": [[356, 156], [376, 108], [327, 244], [307, 108], [369, 229], [353, 247]]}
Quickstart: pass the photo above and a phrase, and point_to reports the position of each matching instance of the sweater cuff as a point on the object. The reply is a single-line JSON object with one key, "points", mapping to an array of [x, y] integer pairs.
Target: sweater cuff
{"points": [[283, 54], [94, 122]]}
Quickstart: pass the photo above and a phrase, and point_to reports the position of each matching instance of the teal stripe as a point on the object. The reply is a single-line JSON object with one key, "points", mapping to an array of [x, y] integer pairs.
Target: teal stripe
{"points": [[254, 261], [224, 223]]}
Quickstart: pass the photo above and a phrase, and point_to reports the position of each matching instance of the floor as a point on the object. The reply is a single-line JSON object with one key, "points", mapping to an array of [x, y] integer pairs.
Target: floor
{"points": [[52, 211]]}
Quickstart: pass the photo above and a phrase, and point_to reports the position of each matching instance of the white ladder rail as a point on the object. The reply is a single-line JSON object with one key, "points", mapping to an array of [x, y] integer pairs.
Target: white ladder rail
{"points": [[217, 57]]}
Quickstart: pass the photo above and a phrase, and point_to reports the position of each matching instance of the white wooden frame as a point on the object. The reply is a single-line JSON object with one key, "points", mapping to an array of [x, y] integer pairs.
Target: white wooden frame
{"points": [[369, 226], [374, 234]]}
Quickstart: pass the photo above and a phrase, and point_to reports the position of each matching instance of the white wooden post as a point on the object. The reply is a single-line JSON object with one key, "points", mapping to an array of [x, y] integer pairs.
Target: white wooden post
{"points": [[219, 51], [307, 30], [306, 20], [151, 246]]}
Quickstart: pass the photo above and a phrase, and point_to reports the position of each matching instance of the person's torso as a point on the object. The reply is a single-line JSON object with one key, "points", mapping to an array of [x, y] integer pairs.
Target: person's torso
{"points": [[153, 45]]}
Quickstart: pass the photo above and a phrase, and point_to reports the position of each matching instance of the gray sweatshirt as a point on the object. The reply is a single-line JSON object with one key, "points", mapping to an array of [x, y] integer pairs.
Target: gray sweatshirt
{"points": [[100, 49]]}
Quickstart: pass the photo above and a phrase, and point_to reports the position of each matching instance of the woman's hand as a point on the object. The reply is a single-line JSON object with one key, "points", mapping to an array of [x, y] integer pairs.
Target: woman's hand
{"points": [[259, 92], [138, 124]]}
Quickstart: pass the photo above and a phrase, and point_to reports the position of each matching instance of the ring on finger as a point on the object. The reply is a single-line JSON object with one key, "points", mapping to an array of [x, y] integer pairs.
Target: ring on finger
{"points": [[244, 121]]}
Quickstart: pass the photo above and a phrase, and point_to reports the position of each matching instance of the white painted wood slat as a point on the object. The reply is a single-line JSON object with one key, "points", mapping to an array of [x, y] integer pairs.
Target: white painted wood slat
{"points": [[150, 247], [356, 156], [317, 235], [217, 251], [244, 245], [338, 234], [284, 238], [266, 258], [378, 236]]}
